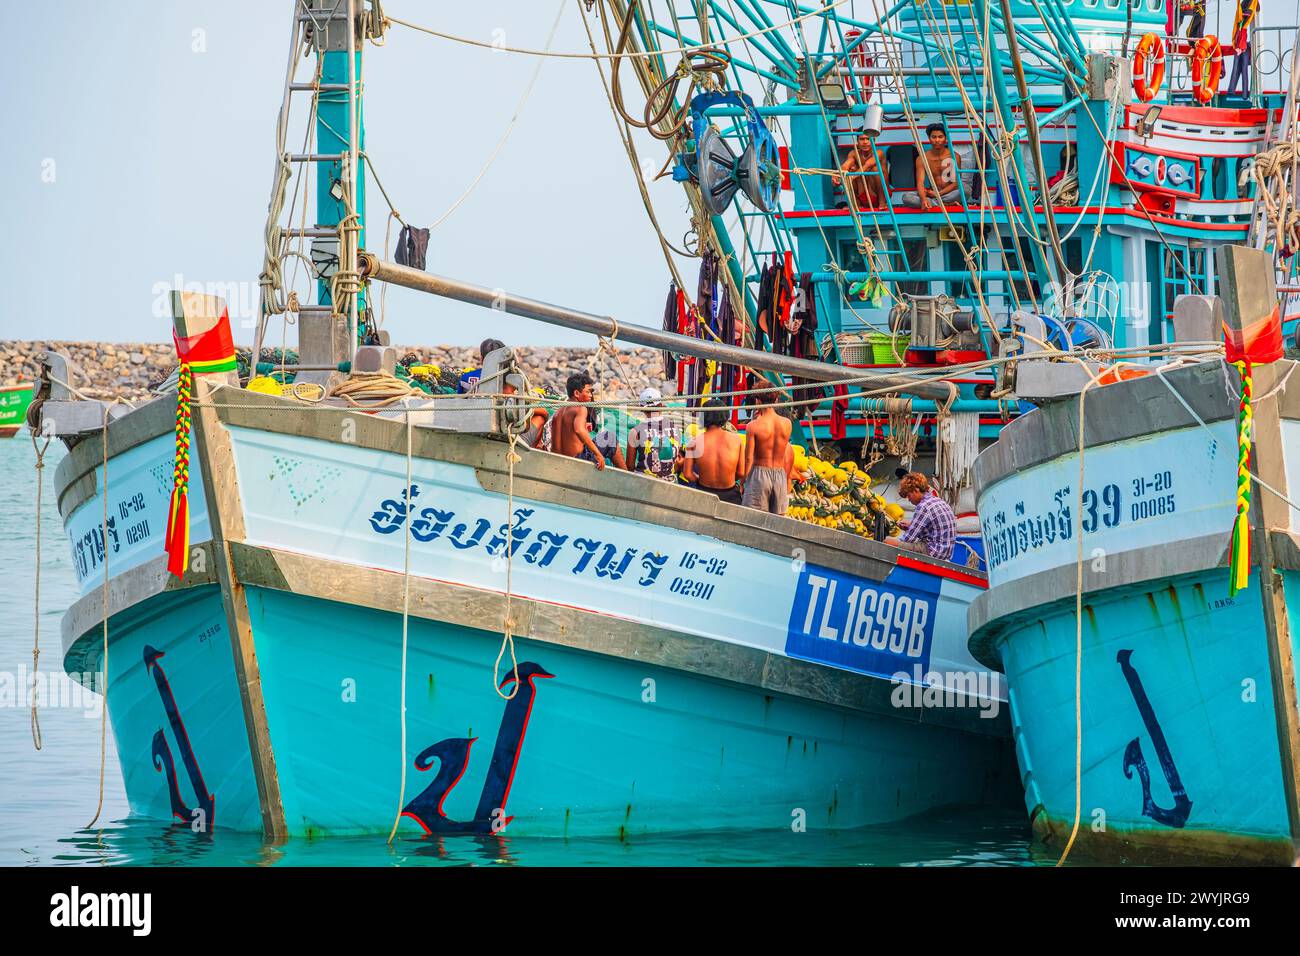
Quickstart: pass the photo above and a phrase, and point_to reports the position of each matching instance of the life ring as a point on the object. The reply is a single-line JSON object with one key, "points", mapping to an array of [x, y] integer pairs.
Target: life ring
{"points": [[859, 58], [1150, 47], [1207, 69]]}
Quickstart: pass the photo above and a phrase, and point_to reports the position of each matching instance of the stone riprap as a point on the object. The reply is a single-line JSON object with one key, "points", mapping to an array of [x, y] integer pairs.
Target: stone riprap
{"points": [[132, 370]]}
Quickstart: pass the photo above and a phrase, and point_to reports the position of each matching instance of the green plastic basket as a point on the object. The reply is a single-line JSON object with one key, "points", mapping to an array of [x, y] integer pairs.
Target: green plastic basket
{"points": [[882, 347]]}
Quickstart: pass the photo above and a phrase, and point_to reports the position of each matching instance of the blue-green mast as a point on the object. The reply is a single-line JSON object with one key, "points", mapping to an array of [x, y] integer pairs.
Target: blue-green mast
{"points": [[340, 143]]}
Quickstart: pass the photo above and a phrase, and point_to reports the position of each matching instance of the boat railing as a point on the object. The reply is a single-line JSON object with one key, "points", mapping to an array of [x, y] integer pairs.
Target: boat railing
{"points": [[1274, 50]]}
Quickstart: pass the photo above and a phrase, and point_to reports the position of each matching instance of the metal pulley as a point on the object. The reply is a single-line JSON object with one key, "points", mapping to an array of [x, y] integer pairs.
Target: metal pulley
{"points": [[710, 161]]}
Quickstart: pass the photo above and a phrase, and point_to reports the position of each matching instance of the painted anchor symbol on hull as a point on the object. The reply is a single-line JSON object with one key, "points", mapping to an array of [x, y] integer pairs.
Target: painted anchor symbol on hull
{"points": [[1133, 758], [162, 754], [452, 755]]}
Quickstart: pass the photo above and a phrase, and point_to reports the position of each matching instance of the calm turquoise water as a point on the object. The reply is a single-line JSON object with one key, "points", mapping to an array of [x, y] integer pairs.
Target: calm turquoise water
{"points": [[48, 797]]}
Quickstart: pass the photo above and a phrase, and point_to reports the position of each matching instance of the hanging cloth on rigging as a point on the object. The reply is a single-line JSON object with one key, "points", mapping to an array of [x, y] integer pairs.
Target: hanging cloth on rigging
{"points": [[763, 306], [782, 300], [726, 334], [412, 247], [670, 325], [806, 337], [685, 326], [839, 410]]}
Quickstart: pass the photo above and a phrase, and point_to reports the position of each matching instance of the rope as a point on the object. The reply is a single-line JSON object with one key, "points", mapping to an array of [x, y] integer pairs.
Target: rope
{"points": [[625, 137], [103, 722], [374, 389], [406, 618], [1065, 192], [508, 625], [510, 127], [643, 54], [1273, 164], [1078, 636], [36, 632]]}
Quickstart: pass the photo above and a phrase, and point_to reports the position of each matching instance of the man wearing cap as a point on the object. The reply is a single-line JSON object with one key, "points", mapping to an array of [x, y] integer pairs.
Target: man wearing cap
{"points": [[654, 447]]}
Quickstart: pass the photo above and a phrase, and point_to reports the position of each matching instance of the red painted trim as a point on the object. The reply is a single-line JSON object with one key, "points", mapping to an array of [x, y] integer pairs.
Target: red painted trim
{"points": [[925, 418], [1206, 115], [904, 561], [1067, 210]]}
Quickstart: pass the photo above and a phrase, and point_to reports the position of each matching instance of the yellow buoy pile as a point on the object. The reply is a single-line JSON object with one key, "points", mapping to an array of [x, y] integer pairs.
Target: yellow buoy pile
{"points": [[837, 496]]}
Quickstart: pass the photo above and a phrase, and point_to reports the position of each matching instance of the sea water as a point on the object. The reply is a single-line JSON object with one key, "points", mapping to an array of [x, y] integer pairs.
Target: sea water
{"points": [[49, 797]]}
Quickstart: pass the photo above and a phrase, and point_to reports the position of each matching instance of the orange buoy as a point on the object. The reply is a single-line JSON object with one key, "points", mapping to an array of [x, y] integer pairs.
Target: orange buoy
{"points": [[1207, 69], [1150, 47]]}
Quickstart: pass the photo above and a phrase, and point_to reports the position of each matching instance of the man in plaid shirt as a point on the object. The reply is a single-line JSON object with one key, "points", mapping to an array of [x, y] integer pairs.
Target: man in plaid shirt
{"points": [[933, 527]]}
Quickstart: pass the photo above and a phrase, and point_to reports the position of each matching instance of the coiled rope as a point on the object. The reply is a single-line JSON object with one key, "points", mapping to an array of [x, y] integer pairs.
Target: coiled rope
{"points": [[1281, 211], [372, 390]]}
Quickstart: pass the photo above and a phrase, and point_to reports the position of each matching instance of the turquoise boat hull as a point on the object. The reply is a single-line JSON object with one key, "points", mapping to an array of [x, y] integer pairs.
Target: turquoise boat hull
{"points": [[1180, 752], [1180, 740], [596, 755], [764, 680]]}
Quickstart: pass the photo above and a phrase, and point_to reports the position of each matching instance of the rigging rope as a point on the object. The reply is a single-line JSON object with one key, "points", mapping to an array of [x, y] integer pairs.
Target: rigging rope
{"points": [[104, 610], [36, 632], [642, 54], [510, 127], [508, 623], [406, 619]]}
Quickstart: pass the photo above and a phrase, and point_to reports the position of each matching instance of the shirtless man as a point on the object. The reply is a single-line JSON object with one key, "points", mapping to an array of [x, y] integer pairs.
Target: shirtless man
{"points": [[713, 459], [767, 438], [571, 433], [936, 178], [868, 188]]}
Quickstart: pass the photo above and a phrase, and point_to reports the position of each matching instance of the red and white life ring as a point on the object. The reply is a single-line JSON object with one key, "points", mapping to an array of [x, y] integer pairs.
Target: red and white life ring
{"points": [[1150, 47], [859, 58], [1207, 69]]}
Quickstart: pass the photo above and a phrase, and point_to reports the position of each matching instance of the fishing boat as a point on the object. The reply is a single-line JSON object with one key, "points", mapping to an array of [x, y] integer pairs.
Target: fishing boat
{"points": [[1141, 623], [1136, 518], [313, 591], [14, 401]]}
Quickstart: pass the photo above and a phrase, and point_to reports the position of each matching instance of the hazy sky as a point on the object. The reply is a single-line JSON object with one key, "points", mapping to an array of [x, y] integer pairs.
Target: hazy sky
{"points": [[162, 158], [133, 158]]}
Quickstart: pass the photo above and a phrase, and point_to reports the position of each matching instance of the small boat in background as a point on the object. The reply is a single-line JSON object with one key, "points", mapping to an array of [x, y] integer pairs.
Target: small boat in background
{"points": [[14, 400]]}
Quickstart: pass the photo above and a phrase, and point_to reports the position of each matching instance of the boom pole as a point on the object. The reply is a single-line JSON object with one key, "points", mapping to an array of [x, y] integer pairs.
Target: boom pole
{"points": [[375, 268]]}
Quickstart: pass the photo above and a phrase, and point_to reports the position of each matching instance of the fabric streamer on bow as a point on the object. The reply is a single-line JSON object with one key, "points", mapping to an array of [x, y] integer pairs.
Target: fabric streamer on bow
{"points": [[177, 540], [1255, 342], [1239, 553], [210, 351]]}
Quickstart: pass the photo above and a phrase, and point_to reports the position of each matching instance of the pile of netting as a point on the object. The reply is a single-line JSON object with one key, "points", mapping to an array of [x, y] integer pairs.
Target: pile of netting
{"points": [[839, 496]]}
